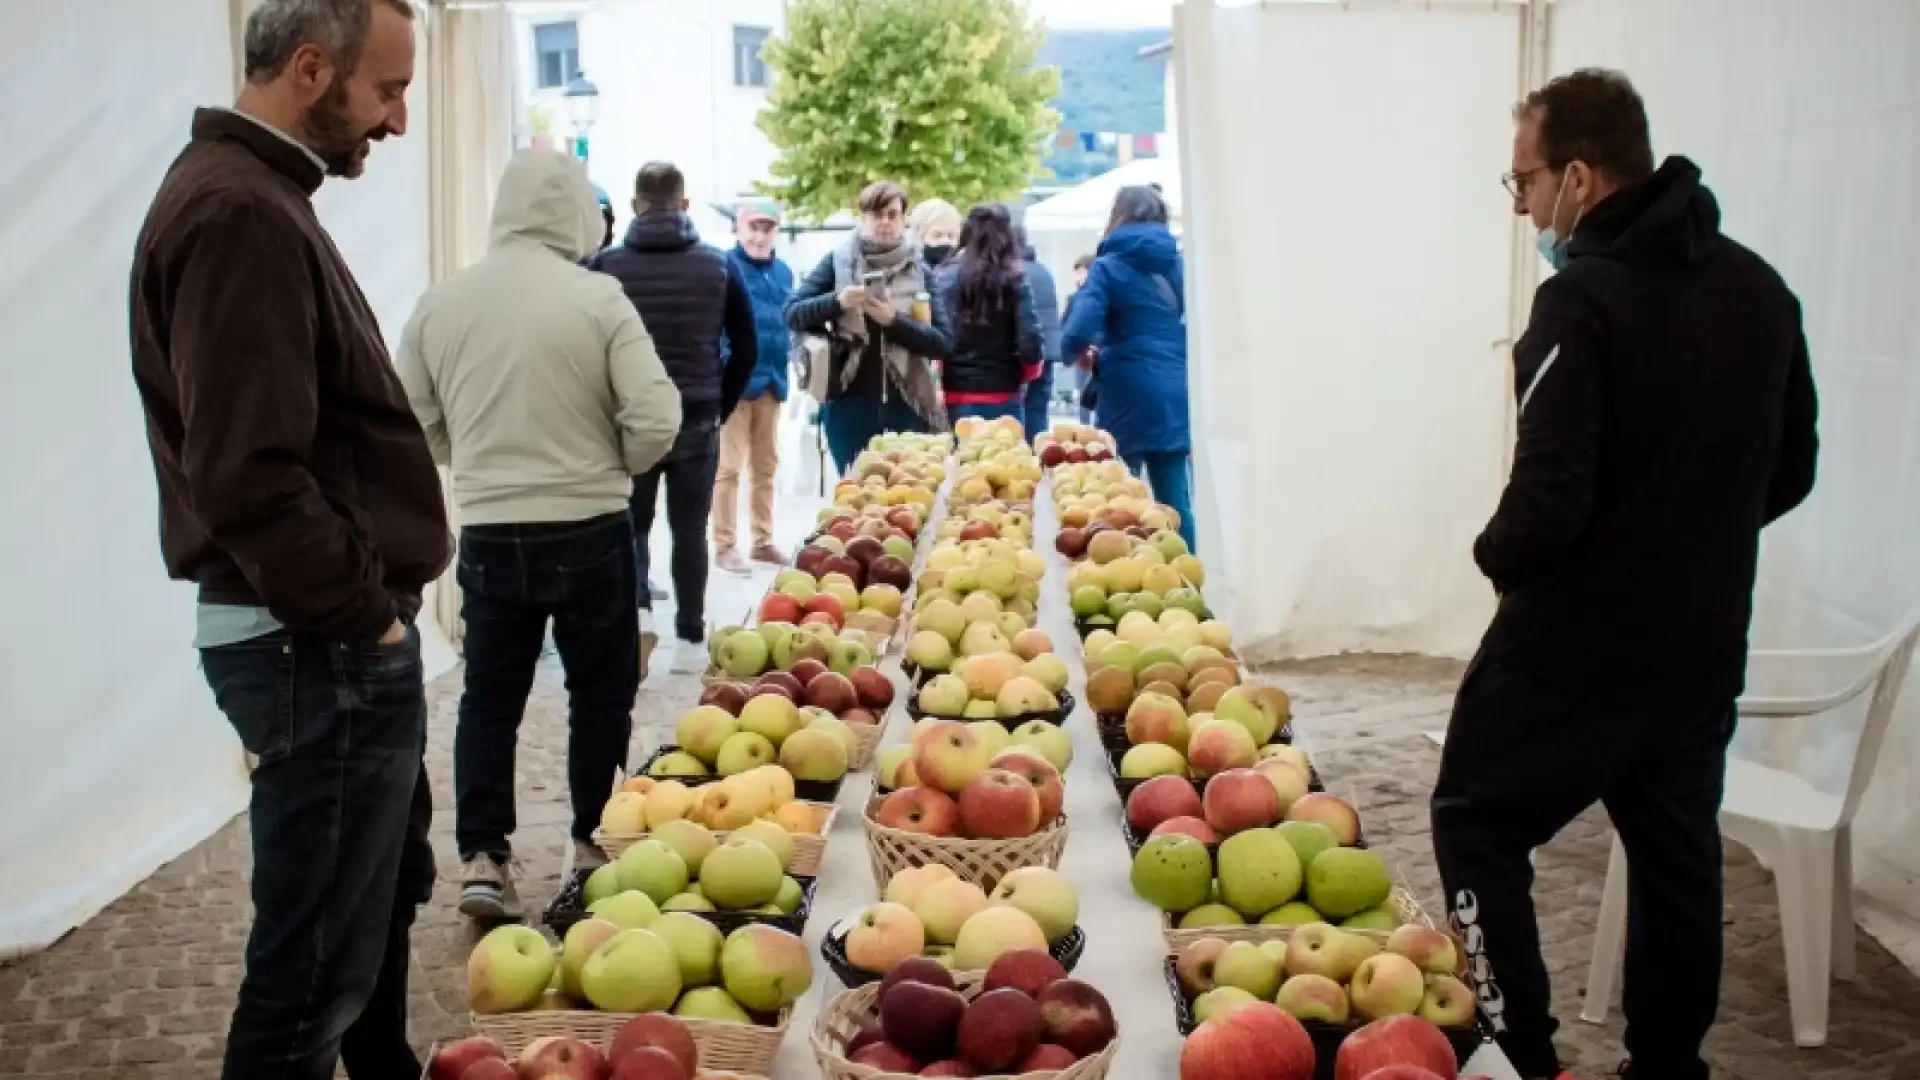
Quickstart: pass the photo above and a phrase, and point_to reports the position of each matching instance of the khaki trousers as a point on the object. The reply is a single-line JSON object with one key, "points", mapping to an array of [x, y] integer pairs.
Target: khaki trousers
{"points": [[749, 442]]}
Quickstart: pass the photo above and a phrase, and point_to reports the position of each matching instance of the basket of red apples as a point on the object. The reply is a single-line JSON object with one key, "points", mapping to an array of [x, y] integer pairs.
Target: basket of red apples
{"points": [[1259, 1040], [652, 1046], [1021, 1018], [981, 814]]}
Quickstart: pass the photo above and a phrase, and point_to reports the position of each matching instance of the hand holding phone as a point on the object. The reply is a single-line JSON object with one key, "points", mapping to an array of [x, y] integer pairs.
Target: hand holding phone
{"points": [[876, 284]]}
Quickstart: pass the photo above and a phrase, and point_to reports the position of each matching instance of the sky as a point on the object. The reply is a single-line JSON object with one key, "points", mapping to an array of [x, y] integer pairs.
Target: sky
{"points": [[1074, 14]]}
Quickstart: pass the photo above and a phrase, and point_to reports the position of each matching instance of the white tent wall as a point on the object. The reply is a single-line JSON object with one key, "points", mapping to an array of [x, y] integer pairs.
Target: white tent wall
{"points": [[1805, 117], [113, 758], [1348, 284]]}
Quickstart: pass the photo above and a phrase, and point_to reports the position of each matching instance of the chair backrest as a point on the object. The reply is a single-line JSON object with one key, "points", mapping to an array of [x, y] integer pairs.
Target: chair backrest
{"points": [[1894, 663]]}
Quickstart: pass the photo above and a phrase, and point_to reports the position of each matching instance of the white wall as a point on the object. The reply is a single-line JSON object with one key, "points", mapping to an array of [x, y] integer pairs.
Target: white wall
{"points": [[1805, 117]]}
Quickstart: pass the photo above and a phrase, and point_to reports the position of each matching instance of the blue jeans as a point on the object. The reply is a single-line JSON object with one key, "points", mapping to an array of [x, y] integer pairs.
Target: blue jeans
{"points": [[513, 579], [1039, 391], [689, 472], [850, 423], [341, 861], [1170, 474]]}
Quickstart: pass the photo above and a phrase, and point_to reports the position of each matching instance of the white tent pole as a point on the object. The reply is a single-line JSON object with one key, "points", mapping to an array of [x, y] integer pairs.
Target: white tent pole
{"points": [[1524, 274]]}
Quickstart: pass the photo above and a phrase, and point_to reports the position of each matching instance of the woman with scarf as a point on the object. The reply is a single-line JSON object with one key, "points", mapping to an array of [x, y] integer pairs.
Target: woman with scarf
{"points": [[1133, 306], [989, 307], [869, 300]]}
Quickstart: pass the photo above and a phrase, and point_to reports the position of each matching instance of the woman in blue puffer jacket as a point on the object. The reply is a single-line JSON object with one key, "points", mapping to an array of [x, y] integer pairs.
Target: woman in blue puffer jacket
{"points": [[1134, 307]]}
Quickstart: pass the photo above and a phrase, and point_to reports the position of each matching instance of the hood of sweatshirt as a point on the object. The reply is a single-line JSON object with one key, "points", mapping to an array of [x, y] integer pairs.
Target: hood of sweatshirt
{"points": [[1670, 218], [545, 198]]}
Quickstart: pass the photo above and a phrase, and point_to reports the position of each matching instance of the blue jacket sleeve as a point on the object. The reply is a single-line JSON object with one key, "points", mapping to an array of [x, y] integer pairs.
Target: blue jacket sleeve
{"points": [[1087, 317]]}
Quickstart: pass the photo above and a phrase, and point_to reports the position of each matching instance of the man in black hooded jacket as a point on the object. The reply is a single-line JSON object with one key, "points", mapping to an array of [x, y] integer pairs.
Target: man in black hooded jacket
{"points": [[687, 296], [1666, 416]]}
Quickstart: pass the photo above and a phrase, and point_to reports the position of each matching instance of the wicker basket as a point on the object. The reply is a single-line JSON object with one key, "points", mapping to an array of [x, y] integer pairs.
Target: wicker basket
{"points": [[847, 1012], [1402, 899], [808, 847], [833, 949], [983, 862], [866, 740], [724, 1046]]}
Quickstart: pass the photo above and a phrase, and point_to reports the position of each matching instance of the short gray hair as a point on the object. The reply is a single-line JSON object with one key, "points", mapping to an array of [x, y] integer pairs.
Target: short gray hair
{"points": [[277, 28]]}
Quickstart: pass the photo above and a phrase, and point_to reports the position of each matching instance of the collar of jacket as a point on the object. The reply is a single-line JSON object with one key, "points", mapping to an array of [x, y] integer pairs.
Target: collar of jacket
{"points": [[279, 152], [757, 263], [662, 230]]}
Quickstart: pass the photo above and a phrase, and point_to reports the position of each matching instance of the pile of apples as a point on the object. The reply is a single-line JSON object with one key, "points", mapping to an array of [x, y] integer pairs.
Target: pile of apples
{"points": [[1123, 573], [982, 579], [1028, 1017], [749, 652], [1324, 974], [1176, 655], [1302, 870], [1104, 491], [651, 1046], [807, 744], [930, 911], [683, 867], [842, 569], [1072, 444], [1260, 1041], [990, 685], [1165, 740], [892, 474], [677, 963], [1042, 738], [646, 804], [990, 520], [960, 786]]}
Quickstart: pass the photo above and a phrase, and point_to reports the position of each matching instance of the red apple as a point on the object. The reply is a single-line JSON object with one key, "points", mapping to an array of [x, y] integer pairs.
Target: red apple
{"points": [[923, 969], [1403, 1072], [809, 558], [1076, 1016], [1000, 1029], [1026, 970], [1240, 799], [902, 518], [833, 692], [873, 687], [885, 1057], [773, 688], [922, 1019], [1164, 797], [821, 618], [656, 1030], [866, 1036], [452, 1059], [830, 604], [779, 607], [1188, 826], [807, 670], [1037, 771], [730, 696], [555, 1058], [948, 1068], [999, 805], [1256, 1041], [1329, 810], [890, 570], [1396, 1040], [490, 1069], [865, 548], [1076, 455], [922, 810], [859, 716], [979, 530], [787, 683], [1071, 542], [1047, 1057], [1054, 454], [844, 529], [650, 1063], [842, 564]]}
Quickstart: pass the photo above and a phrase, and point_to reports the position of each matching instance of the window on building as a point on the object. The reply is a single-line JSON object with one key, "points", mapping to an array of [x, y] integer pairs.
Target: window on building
{"points": [[556, 54], [748, 68]]}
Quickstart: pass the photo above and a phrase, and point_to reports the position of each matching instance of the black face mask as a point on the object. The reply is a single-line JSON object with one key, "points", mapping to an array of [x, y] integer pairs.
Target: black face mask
{"points": [[935, 254]]}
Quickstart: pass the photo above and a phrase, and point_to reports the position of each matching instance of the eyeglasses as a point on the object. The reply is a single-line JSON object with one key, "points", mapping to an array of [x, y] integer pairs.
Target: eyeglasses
{"points": [[1516, 182]]}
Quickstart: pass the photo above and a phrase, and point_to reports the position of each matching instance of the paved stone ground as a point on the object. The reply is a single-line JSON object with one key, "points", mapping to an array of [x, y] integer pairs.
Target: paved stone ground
{"points": [[143, 990]]}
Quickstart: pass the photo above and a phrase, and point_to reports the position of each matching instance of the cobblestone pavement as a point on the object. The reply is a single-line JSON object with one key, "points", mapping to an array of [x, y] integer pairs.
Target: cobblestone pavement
{"points": [[143, 990]]}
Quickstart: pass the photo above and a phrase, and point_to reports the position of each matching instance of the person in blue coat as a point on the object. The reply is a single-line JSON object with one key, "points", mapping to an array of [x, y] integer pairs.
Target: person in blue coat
{"points": [[1133, 306], [750, 442], [1046, 304]]}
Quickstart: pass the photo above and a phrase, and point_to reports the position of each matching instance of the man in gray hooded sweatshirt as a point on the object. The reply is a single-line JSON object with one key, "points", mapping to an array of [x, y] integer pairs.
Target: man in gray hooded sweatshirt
{"points": [[540, 390]]}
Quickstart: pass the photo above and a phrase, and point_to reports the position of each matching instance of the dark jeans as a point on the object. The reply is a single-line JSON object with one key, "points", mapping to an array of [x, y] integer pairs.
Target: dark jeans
{"points": [[513, 579], [1039, 398], [1522, 760], [852, 422], [1016, 408], [1171, 477], [689, 471], [341, 861]]}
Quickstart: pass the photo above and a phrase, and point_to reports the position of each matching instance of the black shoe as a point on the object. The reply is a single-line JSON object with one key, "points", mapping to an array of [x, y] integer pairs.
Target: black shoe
{"points": [[693, 635], [659, 594]]}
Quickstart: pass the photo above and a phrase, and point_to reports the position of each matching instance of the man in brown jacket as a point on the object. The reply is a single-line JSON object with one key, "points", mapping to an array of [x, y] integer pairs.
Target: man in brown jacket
{"points": [[298, 492]]}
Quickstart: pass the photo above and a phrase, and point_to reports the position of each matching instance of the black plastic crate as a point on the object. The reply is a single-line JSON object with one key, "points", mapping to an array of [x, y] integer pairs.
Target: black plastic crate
{"points": [[833, 949], [820, 791], [1056, 717]]}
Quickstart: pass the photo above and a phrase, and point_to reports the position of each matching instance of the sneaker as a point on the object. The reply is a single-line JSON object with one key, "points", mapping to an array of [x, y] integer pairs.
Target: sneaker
{"points": [[648, 639], [733, 562], [767, 553], [692, 635], [486, 890], [587, 856], [659, 594]]}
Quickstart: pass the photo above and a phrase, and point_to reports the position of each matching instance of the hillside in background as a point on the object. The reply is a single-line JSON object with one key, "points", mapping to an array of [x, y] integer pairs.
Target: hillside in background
{"points": [[1104, 86]]}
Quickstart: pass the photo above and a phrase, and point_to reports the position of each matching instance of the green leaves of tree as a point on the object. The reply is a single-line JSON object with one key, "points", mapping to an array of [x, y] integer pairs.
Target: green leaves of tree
{"points": [[943, 96]]}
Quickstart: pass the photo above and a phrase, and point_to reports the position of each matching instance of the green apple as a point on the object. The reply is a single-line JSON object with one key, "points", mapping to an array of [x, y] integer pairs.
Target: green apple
{"points": [[627, 910], [688, 901], [1293, 913], [653, 868], [1173, 873], [1383, 919], [1258, 872], [711, 1003], [1244, 965], [1047, 738], [601, 884], [765, 968], [678, 763], [703, 730], [790, 896], [742, 655], [690, 839], [1220, 1001], [1211, 915], [745, 750], [1347, 881], [796, 583], [1042, 893], [509, 970], [1152, 759], [1089, 600], [1251, 710], [696, 946], [583, 939], [633, 971], [741, 873], [1308, 839], [778, 840]]}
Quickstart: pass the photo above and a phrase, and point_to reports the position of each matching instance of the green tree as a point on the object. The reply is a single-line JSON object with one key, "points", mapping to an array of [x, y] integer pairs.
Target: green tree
{"points": [[944, 96]]}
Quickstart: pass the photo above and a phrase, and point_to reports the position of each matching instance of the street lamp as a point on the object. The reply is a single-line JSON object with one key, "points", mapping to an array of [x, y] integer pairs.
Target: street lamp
{"points": [[583, 108]]}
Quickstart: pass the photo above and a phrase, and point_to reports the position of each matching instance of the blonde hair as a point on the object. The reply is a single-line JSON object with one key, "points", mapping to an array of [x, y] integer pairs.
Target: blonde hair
{"points": [[931, 214]]}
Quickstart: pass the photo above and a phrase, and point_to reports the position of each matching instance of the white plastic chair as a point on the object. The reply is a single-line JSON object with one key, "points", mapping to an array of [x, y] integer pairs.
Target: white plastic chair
{"points": [[1805, 835]]}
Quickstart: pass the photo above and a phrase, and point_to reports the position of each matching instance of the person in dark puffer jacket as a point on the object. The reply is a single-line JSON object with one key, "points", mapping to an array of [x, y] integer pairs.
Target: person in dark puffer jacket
{"points": [[751, 439], [688, 296], [1046, 307], [989, 307]]}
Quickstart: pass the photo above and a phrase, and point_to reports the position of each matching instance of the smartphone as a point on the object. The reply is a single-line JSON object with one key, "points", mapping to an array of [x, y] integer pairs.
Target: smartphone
{"points": [[876, 284]]}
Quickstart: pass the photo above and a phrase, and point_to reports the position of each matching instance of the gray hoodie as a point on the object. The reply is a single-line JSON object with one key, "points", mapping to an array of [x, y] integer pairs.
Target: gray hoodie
{"points": [[536, 383]]}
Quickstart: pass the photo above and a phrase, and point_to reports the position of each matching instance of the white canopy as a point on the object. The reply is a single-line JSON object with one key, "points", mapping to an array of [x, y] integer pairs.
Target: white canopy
{"points": [[1085, 207]]}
